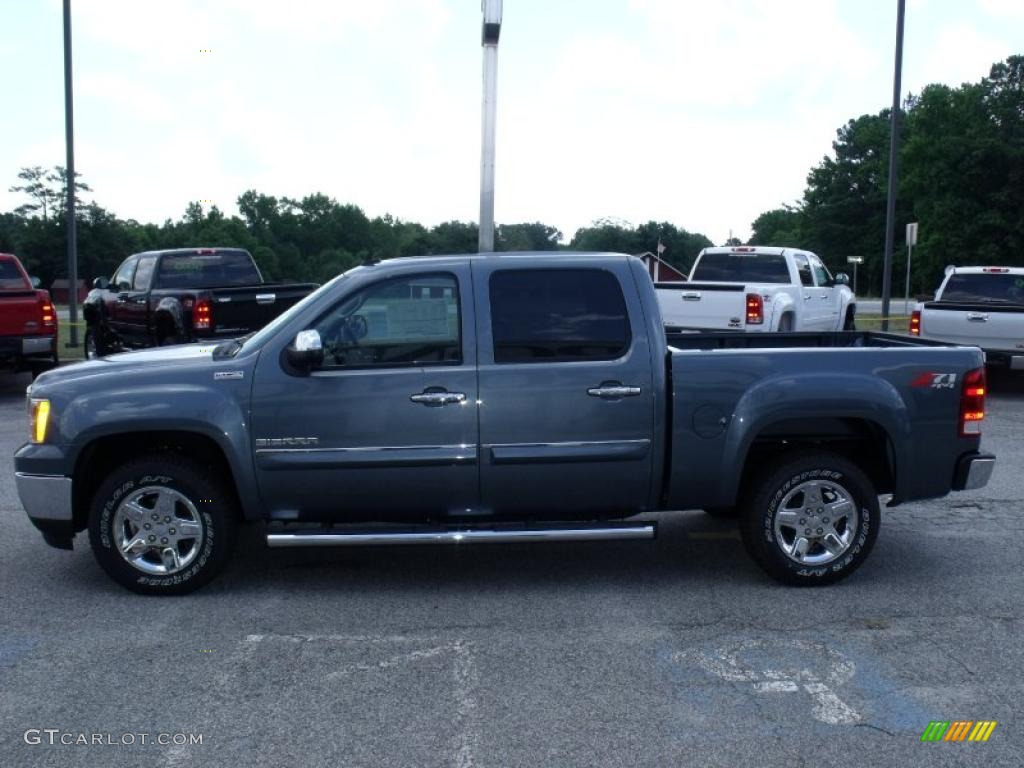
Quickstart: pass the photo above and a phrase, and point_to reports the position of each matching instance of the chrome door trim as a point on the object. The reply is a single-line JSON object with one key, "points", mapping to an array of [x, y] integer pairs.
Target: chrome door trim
{"points": [[569, 452]]}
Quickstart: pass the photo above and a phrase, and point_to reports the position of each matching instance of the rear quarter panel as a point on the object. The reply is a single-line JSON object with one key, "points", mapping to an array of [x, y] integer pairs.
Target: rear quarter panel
{"points": [[724, 399]]}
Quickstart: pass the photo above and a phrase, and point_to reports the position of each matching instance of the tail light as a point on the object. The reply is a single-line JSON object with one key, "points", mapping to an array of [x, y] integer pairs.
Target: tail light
{"points": [[202, 315], [915, 323], [47, 312], [972, 403], [755, 309]]}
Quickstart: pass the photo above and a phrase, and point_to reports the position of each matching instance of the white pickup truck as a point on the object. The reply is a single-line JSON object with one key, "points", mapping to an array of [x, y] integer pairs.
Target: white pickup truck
{"points": [[757, 288], [978, 307]]}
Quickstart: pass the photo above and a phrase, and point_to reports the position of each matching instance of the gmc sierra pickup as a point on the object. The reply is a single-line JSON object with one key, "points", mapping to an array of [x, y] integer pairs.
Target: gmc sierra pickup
{"points": [[159, 298], [758, 289], [511, 397]]}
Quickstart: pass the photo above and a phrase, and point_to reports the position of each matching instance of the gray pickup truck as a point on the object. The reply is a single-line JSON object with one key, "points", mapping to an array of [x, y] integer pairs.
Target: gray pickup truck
{"points": [[494, 398]]}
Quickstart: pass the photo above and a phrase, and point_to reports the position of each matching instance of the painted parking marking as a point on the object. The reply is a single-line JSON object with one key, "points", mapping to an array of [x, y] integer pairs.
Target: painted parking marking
{"points": [[798, 665]]}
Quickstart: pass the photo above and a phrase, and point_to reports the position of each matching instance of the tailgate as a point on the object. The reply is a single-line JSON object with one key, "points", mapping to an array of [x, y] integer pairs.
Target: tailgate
{"points": [[988, 326], [19, 313], [249, 308], [712, 306]]}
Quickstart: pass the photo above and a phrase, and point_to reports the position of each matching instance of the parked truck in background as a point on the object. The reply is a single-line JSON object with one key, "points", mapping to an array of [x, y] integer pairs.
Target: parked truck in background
{"points": [[981, 307], [494, 398], [158, 298], [758, 289], [28, 320]]}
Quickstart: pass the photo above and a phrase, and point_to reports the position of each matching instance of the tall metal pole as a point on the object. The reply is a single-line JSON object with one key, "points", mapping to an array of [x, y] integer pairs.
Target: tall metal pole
{"points": [[906, 297], [69, 131], [894, 140], [491, 31]]}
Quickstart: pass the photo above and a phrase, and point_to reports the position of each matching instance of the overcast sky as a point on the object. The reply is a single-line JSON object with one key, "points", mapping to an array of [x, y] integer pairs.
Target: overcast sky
{"points": [[701, 113]]}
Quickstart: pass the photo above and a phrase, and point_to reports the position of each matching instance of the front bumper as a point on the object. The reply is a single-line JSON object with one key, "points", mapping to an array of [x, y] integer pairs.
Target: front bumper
{"points": [[47, 500], [973, 471]]}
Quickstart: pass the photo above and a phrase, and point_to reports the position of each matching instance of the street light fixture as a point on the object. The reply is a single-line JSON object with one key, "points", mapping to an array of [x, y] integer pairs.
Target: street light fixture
{"points": [[491, 31]]}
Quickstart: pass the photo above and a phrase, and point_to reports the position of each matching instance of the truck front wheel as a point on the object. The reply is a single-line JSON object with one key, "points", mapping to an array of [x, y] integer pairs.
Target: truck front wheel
{"points": [[810, 518], [161, 525]]}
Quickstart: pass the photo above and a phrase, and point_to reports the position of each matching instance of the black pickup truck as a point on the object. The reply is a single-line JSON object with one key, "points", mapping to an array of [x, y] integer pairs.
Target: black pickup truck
{"points": [[158, 298]]}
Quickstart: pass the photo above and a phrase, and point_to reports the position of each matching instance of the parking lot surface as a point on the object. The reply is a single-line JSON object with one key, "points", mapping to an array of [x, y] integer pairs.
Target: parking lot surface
{"points": [[673, 652]]}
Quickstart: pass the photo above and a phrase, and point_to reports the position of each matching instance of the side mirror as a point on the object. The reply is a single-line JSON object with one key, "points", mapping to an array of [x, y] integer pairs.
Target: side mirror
{"points": [[307, 351], [841, 278], [100, 282], [36, 282]]}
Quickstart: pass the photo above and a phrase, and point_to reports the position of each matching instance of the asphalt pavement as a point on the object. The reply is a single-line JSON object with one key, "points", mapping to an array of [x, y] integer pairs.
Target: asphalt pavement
{"points": [[668, 653]]}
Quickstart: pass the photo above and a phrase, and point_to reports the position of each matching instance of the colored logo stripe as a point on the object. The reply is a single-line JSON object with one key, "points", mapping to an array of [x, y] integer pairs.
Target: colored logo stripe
{"points": [[958, 730], [982, 730]]}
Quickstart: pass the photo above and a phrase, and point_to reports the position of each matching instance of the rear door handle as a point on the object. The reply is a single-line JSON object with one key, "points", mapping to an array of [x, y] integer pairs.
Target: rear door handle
{"points": [[613, 390], [266, 298], [435, 398], [808, 297]]}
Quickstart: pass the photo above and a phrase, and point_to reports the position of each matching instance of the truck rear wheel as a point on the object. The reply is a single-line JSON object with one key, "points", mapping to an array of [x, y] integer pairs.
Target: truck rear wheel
{"points": [[161, 526], [810, 519]]}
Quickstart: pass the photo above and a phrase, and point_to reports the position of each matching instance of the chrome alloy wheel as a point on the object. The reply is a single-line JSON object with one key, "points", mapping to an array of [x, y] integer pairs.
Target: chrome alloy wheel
{"points": [[816, 522], [158, 530]]}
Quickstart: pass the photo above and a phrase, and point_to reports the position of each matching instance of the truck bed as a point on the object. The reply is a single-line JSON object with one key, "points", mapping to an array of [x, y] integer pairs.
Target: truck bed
{"points": [[808, 339]]}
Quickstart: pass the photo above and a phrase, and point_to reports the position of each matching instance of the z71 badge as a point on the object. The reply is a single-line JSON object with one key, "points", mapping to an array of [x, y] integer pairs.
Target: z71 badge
{"points": [[935, 380]]}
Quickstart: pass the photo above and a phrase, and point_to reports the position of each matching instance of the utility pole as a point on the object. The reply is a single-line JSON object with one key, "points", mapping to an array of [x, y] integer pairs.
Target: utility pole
{"points": [[69, 195], [491, 31], [894, 141]]}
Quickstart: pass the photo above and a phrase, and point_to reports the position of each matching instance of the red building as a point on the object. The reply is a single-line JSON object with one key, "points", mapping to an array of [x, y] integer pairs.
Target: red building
{"points": [[59, 293], [660, 270]]}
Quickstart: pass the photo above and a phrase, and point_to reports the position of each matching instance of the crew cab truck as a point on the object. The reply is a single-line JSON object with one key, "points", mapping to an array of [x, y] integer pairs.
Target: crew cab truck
{"points": [[758, 289], [978, 306], [159, 298], [28, 320], [493, 398]]}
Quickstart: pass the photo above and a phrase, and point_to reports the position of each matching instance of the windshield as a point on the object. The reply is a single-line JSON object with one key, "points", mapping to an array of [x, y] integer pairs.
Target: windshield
{"points": [[985, 287], [207, 270], [260, 337], [741, 268]]}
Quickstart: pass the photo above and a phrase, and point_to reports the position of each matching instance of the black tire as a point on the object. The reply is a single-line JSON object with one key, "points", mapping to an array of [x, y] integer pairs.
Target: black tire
{"points": [[722, 513], [850, 323], [168, 339], [786, 323], [214, 507], [772, 486]]}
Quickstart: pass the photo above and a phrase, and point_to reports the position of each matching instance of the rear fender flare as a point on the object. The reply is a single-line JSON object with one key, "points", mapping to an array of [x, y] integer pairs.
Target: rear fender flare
{"points": [[169, 310], [826, 395]]}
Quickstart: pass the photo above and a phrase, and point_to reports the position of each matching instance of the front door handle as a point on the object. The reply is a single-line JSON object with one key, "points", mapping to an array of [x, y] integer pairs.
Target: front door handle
{"points": [[435, 398], [613, 390]]}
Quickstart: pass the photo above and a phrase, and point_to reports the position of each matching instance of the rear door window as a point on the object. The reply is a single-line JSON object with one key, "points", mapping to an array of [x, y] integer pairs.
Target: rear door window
{"points": [[552, 315], [803, 269], [143, 273], [741, 268]]}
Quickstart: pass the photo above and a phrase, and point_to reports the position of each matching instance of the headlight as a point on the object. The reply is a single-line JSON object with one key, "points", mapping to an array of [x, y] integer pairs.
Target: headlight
{"points": [[39, 417]]}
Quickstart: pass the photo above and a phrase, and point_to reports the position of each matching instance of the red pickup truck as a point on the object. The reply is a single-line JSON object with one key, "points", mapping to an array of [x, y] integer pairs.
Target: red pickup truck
{"points": [[28, 320]]}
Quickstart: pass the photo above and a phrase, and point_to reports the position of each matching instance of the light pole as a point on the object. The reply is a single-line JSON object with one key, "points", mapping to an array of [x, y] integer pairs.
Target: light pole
{"points": [[69, 194], [491, 30], [894, 140]]}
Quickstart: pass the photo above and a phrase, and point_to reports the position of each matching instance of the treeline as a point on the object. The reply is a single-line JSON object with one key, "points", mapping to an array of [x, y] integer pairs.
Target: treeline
{"points": [[961, 177], [311, 239]]}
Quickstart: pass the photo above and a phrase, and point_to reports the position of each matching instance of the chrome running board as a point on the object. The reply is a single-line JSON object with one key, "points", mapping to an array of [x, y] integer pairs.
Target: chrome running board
{"points": [[469, 535]]}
